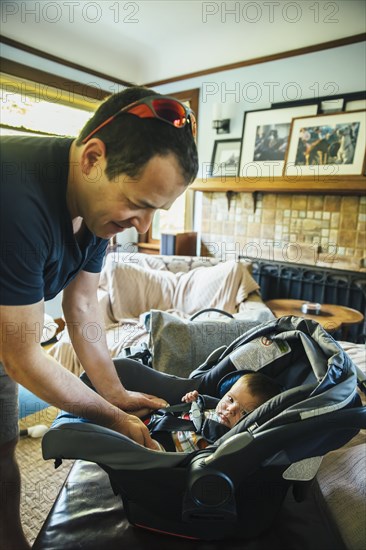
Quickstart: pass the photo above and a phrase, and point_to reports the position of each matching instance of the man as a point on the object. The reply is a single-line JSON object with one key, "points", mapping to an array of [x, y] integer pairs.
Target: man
{"points": [[61, 201]]}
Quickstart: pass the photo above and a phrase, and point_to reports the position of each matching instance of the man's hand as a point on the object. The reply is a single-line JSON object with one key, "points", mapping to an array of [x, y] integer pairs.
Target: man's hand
{"points": [[132, 427], [190, 396], [140, 404]]}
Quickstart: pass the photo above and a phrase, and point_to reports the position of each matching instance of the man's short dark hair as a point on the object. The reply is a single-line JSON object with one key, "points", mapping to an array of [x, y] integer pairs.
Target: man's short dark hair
{"points": [[131, 142]]}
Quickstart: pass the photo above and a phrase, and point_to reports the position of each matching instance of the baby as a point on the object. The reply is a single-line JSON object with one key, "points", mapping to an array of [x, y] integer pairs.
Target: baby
{"points": [[249, 392]]}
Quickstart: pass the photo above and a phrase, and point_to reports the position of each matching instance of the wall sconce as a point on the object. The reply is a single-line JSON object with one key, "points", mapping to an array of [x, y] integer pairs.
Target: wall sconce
{"points": [[219, 122], [221, 126]]}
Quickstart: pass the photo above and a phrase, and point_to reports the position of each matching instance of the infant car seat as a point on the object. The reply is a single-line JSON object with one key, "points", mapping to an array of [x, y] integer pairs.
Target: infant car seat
{"points": [[235, 487]]}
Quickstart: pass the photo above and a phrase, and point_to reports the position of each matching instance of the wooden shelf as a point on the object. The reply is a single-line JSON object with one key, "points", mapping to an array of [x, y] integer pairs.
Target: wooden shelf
{"points": [[345, 185], [149, 248]]}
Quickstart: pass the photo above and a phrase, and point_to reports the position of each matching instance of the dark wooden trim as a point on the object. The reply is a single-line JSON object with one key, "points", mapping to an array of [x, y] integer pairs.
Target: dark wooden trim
{"points": [[41, 77], [61, 61], [189, 95], [146, 238], [257, 60], [265, 59], [192, 96]]}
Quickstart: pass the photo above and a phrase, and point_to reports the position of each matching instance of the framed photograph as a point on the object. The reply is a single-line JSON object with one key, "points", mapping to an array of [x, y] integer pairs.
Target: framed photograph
{"points": [[265, 139], [355, 105], [225, 157], [329, 145], [329, 104]]}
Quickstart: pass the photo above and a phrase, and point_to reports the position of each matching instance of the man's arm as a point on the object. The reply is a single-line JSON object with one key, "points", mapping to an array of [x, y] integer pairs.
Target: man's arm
{"points": [[86, 328], [28, 364]]}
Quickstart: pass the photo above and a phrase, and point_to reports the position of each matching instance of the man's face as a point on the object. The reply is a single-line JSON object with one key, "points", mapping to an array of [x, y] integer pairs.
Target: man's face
{"points": [[110, 206], [235, 403]]}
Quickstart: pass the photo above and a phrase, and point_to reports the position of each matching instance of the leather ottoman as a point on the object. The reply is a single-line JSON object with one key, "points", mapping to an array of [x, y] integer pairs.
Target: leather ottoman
{"points": [[87, 515]]}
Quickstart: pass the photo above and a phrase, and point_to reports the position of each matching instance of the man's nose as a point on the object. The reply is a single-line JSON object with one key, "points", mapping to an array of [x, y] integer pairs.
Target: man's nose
{"points": [[143, 220]]}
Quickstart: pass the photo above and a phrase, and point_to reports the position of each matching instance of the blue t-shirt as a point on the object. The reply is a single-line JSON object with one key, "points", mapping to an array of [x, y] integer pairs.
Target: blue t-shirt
{"points": [[39, 254]]}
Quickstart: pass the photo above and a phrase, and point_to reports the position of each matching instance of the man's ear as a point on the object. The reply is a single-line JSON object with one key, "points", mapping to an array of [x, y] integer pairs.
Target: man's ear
{"points": [[93, 153]]}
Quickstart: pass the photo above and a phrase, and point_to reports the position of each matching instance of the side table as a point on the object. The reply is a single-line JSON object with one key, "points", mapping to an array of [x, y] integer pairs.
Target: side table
{"points": [[332, 317]]}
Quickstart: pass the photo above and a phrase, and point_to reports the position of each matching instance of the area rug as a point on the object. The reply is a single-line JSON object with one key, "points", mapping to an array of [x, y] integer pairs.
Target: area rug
{"points": [[41, 483]]}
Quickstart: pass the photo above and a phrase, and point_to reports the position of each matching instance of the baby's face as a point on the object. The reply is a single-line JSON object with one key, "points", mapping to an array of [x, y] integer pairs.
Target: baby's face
{"points": [[235, 403]]}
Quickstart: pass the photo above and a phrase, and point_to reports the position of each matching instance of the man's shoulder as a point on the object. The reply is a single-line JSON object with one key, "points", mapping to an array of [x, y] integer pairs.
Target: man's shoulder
{"points": [[31, 163], [34, 148], [34, 174]]}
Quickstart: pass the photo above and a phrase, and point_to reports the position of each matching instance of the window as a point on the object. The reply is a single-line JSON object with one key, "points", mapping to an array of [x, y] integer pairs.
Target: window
{"points": [[30, 108]]}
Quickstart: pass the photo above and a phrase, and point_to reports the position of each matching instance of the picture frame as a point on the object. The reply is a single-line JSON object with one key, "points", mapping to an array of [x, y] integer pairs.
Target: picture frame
{"points": [[265, 139], [330, 103], [328, 106], [327, 145], [355, 105], [225, 157]]}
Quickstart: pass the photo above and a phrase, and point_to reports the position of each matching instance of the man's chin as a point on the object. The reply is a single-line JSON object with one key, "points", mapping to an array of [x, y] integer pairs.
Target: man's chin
{"points": [[110, 231]]}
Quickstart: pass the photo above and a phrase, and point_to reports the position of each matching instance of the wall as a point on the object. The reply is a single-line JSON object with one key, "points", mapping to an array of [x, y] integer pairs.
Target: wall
{"points": [[333, 224]]}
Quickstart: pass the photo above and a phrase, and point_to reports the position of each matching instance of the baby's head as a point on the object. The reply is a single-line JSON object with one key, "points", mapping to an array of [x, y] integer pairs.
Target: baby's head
{"points": [[248, 393]]}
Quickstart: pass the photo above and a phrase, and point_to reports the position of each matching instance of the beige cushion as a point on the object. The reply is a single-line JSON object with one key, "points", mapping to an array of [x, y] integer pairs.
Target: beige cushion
{"points": [[223, 286], [134, 290], [137, 284]]}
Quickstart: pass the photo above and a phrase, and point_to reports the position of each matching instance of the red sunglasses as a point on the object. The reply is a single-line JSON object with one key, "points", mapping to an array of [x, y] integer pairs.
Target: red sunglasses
{"points": [[165, 108]]}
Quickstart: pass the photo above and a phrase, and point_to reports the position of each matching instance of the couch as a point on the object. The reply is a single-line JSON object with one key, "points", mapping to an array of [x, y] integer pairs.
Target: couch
{"points": [[171, 289], [150, 299]]}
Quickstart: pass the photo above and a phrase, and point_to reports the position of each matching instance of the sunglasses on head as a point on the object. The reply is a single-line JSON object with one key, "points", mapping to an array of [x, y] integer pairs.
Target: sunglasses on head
{"points": [[165, 108]]}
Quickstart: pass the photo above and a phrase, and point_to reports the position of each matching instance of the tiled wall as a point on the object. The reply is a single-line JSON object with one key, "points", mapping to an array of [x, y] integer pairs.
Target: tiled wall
{"points": [[326, 230]]}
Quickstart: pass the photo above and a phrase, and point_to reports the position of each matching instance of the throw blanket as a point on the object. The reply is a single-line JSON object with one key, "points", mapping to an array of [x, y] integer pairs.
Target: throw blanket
{"points": [[134, 288]]}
